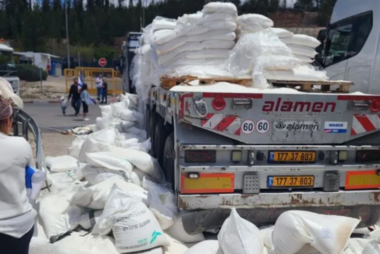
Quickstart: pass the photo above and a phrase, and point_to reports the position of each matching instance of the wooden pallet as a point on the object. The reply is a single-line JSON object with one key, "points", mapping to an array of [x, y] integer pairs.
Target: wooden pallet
{"points": [[306, 86], [309, 86], [169, 82]]}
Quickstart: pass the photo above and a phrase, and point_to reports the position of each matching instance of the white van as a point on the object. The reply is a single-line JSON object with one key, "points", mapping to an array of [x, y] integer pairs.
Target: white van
{"points": [[351, 49]]}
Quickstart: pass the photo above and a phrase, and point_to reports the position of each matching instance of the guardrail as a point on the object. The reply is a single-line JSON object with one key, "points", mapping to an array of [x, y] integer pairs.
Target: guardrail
{"points": [[22, 124]]}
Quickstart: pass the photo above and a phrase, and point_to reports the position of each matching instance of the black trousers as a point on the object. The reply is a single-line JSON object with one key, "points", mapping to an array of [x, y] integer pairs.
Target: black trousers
{"points": [[11, 245], [76, 103], [104, 96]]}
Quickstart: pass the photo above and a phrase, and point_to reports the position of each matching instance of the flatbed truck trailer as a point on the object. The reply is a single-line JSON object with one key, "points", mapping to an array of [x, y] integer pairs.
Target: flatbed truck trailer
{"points": [[264, 152]]}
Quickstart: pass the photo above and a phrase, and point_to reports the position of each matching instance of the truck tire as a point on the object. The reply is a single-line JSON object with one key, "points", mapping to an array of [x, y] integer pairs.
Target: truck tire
{"points": [[152, 125], [168, 159], [160, 135]]}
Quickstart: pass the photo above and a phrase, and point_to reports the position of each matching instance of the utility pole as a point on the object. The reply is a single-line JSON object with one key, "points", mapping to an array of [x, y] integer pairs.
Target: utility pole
{"points": [[67, 37]]}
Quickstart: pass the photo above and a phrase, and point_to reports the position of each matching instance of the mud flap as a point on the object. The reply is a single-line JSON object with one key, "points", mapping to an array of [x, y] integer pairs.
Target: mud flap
{"points": [[200, 221]]}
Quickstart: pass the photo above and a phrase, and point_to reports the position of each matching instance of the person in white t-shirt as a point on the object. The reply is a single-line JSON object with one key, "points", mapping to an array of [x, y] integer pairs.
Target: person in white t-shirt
{"points": [[16, 213], [99, 86]]}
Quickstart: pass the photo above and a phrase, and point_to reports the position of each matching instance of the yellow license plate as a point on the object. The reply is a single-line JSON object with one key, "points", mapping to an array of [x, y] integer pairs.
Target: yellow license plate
{"points": [[292, 156], [362, 180], [208, 183], [290, 181]]}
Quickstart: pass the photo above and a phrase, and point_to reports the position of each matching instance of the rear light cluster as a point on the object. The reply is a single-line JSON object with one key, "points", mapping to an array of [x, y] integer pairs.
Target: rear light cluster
{"points": [[375, 106], [368, 156], [218, 103], [338, 156]]}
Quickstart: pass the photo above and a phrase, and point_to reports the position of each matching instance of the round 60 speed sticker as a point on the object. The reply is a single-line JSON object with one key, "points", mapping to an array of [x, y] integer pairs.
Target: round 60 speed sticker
{"points": [[248, 127], [262, 126]]}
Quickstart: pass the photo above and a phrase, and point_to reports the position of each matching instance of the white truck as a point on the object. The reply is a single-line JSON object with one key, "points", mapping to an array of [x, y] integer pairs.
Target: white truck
{"points": [[267, 152], [8, 68], [351, 44]]}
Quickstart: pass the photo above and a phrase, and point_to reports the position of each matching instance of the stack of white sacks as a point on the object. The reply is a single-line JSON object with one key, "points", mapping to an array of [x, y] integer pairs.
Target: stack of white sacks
{"points": [[204, 38], [109, 185], [216, 43]]}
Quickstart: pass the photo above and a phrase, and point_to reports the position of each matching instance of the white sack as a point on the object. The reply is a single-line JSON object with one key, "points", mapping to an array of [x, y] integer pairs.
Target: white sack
{"points": [[302, 50], [61, 163], [303, 40], [63, 182], [175, 246], [220, 7], [84, 243], [58, 216], [98, 141], [162, 203], [105, 109], [282, 33], [109, 161], [133, 225], [206, 247], [88, 220], [120, 111], [178, 232], [361, 246], [40, 245], [219, 16], [137, 177], [140, 160], [76, 146], [302, 73], [221, 25], [97, 175], [238, 235], [103, 122], [160, 23], [255, 20], [95, 197], [137, 229], [303, 59], [326, 233]]}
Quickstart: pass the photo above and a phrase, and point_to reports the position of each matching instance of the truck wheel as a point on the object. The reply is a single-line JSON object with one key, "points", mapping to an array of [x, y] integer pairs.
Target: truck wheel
{"points": [[160, 135], [168, 159], [152, 127]]}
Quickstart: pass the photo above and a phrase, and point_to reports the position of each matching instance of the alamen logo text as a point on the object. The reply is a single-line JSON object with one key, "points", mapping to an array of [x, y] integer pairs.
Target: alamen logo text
{"points": [[298, 106]]}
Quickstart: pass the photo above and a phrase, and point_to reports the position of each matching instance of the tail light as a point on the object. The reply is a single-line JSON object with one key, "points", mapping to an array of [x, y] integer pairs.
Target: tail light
{"points": [[338, 156], [375, 106], [236, 156], [200, 156], [368, 156], [219, 103]]}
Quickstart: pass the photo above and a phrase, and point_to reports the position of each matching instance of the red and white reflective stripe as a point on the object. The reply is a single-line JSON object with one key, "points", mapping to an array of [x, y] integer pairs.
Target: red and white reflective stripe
{"points": [[365, 123], [223, 123]]}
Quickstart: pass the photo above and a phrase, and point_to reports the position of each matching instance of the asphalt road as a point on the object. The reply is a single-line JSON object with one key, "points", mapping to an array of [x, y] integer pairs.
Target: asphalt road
{"points": [[50, 119], [51, 122]]}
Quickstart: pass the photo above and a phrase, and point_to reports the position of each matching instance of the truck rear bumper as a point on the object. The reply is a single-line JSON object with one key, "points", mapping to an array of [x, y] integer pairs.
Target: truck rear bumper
{"points": [[209, 211]]}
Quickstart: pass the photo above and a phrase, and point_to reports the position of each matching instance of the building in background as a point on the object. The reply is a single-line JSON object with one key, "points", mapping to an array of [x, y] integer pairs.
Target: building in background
{"points": [[50, 63]]}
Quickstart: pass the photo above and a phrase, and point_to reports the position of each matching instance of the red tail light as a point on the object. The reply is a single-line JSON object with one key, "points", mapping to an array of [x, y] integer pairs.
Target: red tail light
{"points": [[218, 103], [200, 156], [375, 106]]}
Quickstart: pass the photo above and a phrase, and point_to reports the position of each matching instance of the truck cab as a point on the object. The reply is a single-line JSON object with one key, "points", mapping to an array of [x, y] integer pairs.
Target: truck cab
{"points": [[351, 45], [131, 43], [8, 67]]}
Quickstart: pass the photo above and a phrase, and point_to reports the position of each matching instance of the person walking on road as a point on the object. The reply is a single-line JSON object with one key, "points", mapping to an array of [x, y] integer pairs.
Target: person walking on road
{"points": [[99, 85], [17, 214], [104, 93], [75, 97], [86, 100]]}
